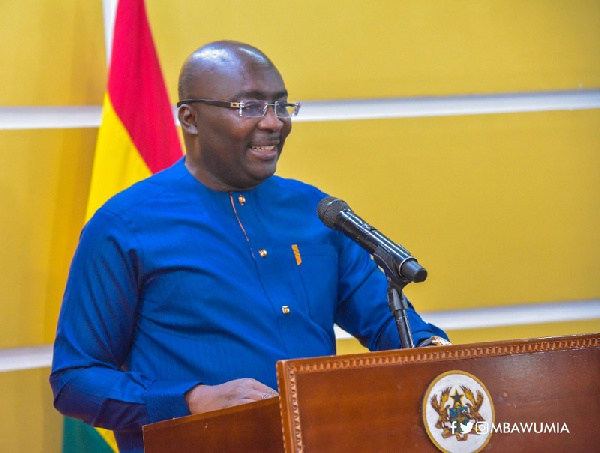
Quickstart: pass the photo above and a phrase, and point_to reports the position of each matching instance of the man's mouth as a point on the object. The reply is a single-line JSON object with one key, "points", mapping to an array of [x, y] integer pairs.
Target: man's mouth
{"points": [[266, 152]]}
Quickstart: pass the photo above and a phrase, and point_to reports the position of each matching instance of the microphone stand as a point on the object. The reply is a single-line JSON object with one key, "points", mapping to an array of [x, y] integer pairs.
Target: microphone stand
{"points": [[399, 306]]}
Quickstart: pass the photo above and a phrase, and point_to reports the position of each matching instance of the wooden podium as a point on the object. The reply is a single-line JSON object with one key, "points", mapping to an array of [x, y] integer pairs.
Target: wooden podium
{"points": [[374, 402]]}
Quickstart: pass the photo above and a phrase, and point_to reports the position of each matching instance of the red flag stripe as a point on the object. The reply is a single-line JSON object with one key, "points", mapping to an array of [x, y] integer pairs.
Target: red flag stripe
{"points": [[137, 90]]}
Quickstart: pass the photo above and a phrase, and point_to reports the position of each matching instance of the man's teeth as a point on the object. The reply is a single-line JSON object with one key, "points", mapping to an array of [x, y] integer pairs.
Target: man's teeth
{"points": [[264, 148]]}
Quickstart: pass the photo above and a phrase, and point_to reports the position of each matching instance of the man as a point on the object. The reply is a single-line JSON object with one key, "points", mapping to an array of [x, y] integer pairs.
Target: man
{"points": [[187, 287]]}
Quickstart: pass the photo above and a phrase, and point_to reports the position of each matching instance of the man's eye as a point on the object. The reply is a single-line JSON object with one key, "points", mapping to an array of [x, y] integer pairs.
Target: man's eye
{"points": [[253, 108]]}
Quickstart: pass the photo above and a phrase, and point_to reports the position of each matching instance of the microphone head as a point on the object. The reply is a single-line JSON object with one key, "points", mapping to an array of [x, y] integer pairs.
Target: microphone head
{"points": [[329, 208]]}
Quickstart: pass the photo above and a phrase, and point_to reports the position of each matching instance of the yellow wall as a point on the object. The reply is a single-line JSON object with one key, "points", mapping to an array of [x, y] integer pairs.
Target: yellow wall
{"points": [[501, 209], [380, 48], [52, 52]]}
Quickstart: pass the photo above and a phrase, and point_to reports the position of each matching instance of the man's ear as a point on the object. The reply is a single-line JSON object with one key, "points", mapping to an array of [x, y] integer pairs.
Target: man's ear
{"points": [[187, 119]]}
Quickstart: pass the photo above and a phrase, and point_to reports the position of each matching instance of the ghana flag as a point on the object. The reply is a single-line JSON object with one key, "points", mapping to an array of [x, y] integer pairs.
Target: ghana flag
{"points": [[137, 138]]}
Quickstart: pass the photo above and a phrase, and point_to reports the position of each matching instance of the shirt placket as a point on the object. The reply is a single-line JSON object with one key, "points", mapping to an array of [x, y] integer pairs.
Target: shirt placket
{"points": [[269, 268]]}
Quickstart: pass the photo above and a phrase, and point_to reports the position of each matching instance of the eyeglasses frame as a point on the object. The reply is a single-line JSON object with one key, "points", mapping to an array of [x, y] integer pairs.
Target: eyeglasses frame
{"points": [[240, 106]]}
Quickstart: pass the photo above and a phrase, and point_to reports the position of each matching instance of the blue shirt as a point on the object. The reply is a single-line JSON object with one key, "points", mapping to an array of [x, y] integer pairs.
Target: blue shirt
{"points": [[174, 284]]}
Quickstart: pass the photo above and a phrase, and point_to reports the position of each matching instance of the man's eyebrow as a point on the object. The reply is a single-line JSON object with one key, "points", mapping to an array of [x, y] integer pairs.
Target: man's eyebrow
{"points": [[257, 94]]}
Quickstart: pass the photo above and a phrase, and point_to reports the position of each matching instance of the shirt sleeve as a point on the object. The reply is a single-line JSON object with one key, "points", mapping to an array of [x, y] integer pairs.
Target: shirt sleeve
{"points": [[363, 310], [95, 330]]}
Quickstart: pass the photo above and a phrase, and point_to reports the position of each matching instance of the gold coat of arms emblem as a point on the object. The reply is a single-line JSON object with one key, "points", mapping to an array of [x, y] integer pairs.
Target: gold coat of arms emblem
{"points": [[457, 413]]}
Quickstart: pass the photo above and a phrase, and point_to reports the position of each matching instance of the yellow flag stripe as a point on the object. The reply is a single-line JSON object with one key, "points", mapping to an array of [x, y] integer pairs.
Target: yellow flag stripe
{"points": [[116, 156], [109, 438]]}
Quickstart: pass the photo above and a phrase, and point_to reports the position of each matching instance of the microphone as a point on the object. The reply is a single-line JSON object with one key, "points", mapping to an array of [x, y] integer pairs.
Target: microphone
{"points": [[395, 260]]}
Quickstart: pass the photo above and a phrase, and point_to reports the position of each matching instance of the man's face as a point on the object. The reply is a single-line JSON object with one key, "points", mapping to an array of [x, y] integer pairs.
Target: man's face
{"points": [[238, 153]]}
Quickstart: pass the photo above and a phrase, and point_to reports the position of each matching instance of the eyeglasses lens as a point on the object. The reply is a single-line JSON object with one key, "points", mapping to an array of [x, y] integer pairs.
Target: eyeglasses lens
{"points": [[257, 109]]}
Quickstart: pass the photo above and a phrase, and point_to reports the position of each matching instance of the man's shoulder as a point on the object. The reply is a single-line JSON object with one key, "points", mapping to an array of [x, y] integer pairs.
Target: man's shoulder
{"points": [[294, 187], [141, 193], [291, 197]]}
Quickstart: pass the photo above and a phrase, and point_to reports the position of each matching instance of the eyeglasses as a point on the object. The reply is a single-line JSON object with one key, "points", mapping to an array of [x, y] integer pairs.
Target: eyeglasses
{"points": [[252, 109]]}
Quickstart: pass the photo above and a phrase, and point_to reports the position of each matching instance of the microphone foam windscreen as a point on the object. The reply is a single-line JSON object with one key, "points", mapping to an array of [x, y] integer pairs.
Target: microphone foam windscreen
{"points": [[328, 209]]}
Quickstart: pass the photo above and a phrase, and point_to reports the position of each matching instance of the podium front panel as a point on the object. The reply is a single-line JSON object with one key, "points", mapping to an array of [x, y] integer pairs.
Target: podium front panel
{"points": [[374, 401]]}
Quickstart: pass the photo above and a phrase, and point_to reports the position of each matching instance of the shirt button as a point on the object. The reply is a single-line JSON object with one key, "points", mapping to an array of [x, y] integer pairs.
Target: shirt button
{"points": [[242, 199], [262, 253], [285, 309]]}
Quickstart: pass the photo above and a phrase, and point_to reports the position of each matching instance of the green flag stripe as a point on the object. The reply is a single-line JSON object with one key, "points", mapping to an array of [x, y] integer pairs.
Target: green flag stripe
{"points": [[79, 437]]}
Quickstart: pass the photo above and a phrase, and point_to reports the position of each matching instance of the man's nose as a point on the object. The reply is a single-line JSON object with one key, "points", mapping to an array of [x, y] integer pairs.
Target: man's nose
{"points": [[270, 120]]}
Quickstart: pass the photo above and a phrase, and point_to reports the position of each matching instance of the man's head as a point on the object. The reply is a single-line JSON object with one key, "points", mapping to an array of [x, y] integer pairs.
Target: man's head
{"points": [[224, 150]]}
